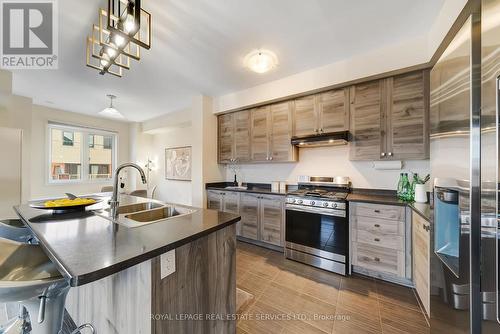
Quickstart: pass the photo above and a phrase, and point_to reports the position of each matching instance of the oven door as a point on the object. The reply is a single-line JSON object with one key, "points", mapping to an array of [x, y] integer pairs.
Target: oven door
{"points": [[320, 232]]}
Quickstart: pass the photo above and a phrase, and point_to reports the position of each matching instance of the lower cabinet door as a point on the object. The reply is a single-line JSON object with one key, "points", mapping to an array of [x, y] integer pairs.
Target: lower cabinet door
{"points": [[231, 204], [214, 200], [421, 262], [249, 212], [271, 219]]}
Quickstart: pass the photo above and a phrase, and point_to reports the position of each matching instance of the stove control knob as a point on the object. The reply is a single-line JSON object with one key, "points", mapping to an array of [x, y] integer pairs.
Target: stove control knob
{"points": [[325, 204], [334, 205], [313, 202], [299, 201]]}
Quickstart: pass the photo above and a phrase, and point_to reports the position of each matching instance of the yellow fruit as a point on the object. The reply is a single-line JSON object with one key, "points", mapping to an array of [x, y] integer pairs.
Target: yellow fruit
{"points": [[69, 202]]}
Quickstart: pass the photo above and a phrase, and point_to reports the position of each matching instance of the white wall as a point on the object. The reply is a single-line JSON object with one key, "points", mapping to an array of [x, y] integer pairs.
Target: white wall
{"points": [[328, 161], [171, 191]]}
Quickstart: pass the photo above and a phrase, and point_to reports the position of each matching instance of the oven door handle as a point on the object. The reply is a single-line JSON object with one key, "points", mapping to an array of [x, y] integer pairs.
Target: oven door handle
{"points": [[320, 211]]}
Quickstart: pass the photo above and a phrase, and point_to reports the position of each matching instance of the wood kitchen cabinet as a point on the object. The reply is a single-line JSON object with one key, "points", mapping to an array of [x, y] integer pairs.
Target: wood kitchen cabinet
{"points": [[271, 219], [249, 212], [389, 118], [321, 113], [421, 261], [271, 128], [262, 216], [226, 137], [381, 242], [234, 137], [226, 201]]}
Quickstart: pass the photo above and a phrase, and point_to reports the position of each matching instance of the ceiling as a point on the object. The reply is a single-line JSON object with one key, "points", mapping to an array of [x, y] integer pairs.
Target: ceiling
{"points": [[199, 46]]}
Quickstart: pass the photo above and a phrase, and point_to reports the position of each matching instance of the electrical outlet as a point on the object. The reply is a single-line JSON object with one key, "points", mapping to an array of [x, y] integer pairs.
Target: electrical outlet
{"points": [[167, 261]]}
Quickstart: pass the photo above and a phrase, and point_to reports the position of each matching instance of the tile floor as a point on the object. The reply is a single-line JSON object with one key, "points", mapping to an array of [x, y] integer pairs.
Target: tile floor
{"points": [[290, 297]]}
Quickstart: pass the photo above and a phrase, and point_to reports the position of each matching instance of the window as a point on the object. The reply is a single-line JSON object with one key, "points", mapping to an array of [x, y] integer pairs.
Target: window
{"points": [[80, 154], [108, 142], [68, 138]]}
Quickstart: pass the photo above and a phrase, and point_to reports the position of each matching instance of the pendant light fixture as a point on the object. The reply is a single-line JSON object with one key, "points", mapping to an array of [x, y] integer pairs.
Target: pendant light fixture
{"points": [[111, 111], [123, 29]]}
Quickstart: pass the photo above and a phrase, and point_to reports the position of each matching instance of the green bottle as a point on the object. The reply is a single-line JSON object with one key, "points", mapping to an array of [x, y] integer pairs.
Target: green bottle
{"points": [[406, 192], [400, 186]]}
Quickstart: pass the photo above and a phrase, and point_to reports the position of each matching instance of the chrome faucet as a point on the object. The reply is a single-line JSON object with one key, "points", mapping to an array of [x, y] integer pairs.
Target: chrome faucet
{"points": [[113, 202]]}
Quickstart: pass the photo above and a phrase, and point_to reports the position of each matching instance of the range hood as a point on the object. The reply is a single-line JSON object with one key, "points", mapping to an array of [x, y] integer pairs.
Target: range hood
{"points": [[324, 139]]}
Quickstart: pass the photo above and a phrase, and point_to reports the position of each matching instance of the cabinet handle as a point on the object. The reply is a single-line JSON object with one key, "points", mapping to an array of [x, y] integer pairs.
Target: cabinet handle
{"points": [[377, 211], [376, 259], [376, 239], [382, 154], [377, 225], [389, 154], [270, 158]]}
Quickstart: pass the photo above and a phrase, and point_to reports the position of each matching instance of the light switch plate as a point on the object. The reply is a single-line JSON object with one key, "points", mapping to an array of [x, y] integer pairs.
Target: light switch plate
{"points": [[167, 261]]}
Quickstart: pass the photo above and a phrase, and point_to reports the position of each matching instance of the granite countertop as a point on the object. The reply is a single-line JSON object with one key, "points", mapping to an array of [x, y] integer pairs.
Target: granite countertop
{"points": [[87, 247], [257, 188], [389, 198]]}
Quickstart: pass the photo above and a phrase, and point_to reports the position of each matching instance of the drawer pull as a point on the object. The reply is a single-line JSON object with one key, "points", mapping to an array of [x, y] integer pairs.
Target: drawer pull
{"points": [[377, 239], [376, 259], [377, 211], [377, 225]]}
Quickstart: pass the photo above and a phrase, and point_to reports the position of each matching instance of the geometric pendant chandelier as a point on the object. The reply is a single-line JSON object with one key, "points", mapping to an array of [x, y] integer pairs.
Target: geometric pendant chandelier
{"points": [[123, 29]]}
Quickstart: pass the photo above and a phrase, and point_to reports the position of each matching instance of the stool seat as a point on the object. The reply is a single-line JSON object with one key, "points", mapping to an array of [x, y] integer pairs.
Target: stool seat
{"points": [[26, 272]]}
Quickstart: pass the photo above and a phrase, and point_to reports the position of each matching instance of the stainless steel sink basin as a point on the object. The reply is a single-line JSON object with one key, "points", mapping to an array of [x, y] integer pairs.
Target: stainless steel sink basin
{"points": [[156, 215], [25, 271], [131, 208]]}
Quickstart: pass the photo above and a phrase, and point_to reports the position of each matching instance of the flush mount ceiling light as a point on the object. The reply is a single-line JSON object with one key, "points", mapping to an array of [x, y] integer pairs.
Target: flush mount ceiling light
{"points": [[111, 111], [123, 29], [261, 61]]}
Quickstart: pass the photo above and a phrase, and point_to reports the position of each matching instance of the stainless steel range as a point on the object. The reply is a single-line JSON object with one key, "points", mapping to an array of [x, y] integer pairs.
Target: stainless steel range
{"points": [[317, 223]]}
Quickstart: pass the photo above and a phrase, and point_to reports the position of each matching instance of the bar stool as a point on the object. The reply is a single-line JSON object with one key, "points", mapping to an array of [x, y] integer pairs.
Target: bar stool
{"points": [[27, 276]]}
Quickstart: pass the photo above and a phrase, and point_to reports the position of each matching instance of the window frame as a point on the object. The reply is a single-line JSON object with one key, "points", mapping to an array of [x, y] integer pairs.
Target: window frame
{"points": [[84, 153]]}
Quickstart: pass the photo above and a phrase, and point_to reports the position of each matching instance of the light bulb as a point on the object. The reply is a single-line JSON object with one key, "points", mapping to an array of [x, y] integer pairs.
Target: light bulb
{"points": [[119, 40], [129, 24], [111, 52], [104, 59]]}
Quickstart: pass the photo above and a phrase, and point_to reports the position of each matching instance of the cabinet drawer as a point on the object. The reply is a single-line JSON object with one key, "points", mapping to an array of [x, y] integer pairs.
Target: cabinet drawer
{"points": [[379, 259], [392, 242], [380, 211], [379, 226]]}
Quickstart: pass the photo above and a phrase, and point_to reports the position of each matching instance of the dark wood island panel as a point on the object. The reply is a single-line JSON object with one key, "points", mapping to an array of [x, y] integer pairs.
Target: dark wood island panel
{"points": [[200, 296]]}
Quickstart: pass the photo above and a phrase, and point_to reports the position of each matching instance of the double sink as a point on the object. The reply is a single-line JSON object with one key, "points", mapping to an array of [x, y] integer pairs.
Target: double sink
{"points": [[139, 214]]}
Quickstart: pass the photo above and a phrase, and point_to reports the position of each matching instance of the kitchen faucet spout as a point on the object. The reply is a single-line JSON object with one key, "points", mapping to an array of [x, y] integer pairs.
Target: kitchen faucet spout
{"points": [[113, 202]]}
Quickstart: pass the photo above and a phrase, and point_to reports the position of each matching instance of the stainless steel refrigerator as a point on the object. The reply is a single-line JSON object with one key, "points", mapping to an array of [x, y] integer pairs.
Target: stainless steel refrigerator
{"points": [[464, 277]]}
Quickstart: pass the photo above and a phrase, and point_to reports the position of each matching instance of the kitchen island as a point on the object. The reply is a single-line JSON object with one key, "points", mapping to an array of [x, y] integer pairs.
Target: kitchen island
{"points": [[123, 278]]}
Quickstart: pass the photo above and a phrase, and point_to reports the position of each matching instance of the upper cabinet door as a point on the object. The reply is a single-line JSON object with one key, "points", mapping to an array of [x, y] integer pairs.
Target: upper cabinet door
{"points": [[226, 138], [305, 116], [407, 116], [242, 136], [366, 110], [260, 134], [280, 135], [334, 110]]}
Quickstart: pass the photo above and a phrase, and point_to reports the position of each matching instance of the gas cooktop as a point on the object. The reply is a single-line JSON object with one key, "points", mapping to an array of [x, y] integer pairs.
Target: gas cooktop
{"points": [[320, 193]]}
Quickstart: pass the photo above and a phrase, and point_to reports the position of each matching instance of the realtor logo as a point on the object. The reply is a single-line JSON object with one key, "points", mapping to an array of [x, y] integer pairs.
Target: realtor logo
{"points": [[29, 34]]}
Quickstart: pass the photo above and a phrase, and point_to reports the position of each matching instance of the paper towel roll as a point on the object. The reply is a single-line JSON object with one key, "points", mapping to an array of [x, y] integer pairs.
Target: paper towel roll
{"points": [[388, 165]]}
